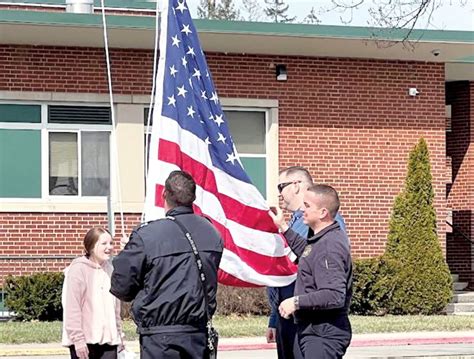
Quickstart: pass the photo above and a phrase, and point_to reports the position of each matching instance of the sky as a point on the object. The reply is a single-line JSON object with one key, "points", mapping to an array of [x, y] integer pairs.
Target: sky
{"points": [[450, 16]]}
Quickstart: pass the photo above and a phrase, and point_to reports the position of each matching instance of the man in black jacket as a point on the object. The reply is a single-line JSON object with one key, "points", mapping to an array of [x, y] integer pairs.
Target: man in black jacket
{"points": [[323, 287], [158, 271]]}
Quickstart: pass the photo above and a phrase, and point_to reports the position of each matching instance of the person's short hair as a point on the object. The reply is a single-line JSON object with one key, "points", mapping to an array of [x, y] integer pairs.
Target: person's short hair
{"points": [[329, 196], [91, 238], [180, 189], [300, 170]]}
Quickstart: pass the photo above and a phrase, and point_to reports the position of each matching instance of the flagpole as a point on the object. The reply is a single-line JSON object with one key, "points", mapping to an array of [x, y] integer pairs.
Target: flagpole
{"points": [[152, 99]]}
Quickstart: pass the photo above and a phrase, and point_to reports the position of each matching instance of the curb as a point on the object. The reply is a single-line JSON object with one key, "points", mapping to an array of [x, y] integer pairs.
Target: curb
{"points": [[356, 342], [362, 343], [411, 341]]}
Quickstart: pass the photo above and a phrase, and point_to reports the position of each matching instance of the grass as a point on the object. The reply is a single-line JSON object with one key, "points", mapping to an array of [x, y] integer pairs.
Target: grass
{"points": [[235, 326]]}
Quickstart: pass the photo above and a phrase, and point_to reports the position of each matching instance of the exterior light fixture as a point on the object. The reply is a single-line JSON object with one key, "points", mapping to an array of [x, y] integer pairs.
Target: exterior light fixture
{"points": [[281, 74]]}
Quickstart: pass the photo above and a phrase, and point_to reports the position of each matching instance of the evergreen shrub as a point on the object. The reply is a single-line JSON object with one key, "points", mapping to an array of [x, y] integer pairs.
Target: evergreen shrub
{"points": [[422, 283], [372, 285], [34, 297]]}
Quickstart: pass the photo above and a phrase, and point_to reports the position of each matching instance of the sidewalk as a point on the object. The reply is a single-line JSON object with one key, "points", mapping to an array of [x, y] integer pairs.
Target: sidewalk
{"points": [[362, 341]]}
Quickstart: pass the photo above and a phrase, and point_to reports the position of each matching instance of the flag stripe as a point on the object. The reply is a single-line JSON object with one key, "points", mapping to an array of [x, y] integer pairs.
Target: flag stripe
{"points": [[233, 265], [265, 243], [262, 264], [204, 177], [197, 149]]}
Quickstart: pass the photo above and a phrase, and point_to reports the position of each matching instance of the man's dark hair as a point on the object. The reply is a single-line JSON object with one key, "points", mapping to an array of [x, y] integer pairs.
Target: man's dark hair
{"points": [[300, 170], [180, 189], [329, 197]]}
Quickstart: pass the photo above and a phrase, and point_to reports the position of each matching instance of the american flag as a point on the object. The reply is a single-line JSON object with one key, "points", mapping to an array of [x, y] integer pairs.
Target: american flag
{"points": [[190, 133]]}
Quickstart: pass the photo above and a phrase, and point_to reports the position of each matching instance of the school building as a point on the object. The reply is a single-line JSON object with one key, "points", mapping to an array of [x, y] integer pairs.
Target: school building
{"points": [[331, 98]]}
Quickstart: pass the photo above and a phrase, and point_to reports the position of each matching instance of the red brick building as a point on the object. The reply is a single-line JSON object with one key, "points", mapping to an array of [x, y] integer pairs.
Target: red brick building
{"points": [[344, 112]]}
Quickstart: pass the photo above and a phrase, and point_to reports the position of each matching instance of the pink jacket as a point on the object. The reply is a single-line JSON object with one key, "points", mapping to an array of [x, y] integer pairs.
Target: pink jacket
{"points": [[91, 315]]}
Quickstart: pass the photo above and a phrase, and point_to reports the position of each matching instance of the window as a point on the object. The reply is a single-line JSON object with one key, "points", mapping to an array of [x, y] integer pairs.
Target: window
{"points": [[65, 163], [20, 155], [74, 158], [248, 129]]}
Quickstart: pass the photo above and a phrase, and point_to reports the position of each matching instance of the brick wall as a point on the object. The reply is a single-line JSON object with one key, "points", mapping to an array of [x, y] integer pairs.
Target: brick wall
{"points": [[57, 237], [460, 193], [349, 121]]}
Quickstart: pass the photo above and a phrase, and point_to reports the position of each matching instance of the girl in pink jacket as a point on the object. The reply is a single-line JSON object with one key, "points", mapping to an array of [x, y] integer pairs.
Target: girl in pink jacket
{"points": [[92, 327]]}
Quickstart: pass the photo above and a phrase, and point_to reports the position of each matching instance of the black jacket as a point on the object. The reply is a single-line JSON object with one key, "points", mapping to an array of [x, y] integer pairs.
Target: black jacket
{"points": [[158, 271], [324, 281]]}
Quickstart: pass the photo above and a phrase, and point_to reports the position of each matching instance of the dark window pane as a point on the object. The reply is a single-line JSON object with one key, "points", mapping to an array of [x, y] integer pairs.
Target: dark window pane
{"points": [[248, 130], [20, 163], [20, 113]]}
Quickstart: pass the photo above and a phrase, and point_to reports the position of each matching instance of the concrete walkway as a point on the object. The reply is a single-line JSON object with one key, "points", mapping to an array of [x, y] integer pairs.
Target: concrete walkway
{"points": [[379, 345]]}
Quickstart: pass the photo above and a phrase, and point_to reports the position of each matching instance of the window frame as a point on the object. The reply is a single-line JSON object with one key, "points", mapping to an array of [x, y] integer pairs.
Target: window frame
{"points": [[271, 157], [45, 128]]}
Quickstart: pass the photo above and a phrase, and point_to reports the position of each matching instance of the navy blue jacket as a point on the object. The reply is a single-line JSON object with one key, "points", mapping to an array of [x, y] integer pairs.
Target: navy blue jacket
{"points": [[324, 281], [276, 295], [158, 271]]}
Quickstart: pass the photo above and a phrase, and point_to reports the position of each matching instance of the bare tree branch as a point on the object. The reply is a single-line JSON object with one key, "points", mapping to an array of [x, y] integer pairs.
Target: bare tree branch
{"points": [[391, 16]]}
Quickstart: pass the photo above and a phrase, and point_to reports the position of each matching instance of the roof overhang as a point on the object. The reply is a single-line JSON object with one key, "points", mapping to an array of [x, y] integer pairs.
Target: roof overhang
{"points": [[455, 48]]}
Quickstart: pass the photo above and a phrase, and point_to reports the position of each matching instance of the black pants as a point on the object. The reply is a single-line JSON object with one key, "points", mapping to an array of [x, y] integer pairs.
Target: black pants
{"points": [[285, 337], [97, 351], [173, 346], [328, 340]]}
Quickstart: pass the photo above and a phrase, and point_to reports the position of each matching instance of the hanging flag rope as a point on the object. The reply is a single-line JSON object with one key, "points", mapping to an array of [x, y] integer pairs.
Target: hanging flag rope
{"points": [[113, 134]]}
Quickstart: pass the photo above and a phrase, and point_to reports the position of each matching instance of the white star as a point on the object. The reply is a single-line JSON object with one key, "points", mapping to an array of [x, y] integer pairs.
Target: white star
{"points": [[182, 91], [173, 71], [186, 30], [190, 83], [184, 61], [206, 141], [190, 51], [207, 73], [172, 101], [191, 111], [221, 138], [181, 7], [197, 74], [219, 120], [203, 94], [214, 97], [176, 41], [231, 157], [211, 117]]}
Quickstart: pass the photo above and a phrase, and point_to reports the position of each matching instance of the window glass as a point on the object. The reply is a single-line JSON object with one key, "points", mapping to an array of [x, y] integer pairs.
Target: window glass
{"points": [[63, 163], [248, 130], [20, 163], [20, 113], [95, 164], [256, 169]]}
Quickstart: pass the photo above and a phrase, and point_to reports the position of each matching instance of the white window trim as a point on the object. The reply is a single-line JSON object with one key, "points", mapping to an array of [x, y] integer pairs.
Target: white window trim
{"points": [[52, 203]]}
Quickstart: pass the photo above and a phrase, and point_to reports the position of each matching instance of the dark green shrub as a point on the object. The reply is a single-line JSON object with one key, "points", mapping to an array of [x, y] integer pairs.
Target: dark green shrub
{"points": [[365, 275], [232, 300], [35, 297], [422, 283], [242, 301], [371, 285]]}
